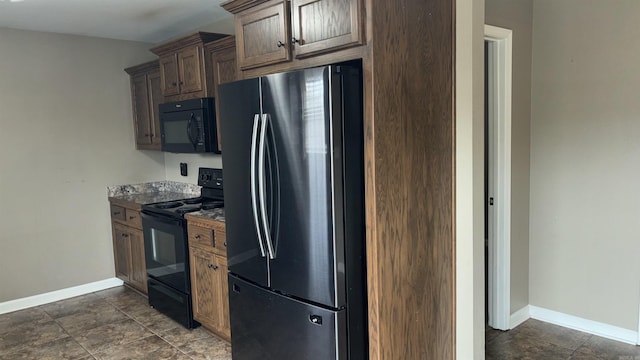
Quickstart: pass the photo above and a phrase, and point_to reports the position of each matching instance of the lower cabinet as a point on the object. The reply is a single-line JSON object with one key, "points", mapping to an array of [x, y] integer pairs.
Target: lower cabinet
{"points": [[209, 286], [128, 247]]}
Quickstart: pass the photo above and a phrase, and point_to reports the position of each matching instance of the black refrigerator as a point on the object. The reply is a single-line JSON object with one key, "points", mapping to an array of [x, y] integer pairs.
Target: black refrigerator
{"points": [[294, 209]]}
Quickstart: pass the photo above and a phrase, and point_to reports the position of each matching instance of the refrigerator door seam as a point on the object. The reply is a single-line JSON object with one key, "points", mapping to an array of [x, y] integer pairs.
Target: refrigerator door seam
{"points": [[261, 186], [254, 205]]}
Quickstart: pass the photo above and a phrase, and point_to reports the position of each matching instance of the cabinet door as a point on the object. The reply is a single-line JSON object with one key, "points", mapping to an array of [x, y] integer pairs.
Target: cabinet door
{"points": [[140, 97], [169, 75], [222, 284], [154, 86], [189, 67], [263, 36], [321, 26], [203, 280], [224, 70], [122, 252], [138, 275]]}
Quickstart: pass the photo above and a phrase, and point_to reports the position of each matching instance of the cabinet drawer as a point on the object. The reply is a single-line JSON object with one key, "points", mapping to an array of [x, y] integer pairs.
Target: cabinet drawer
{"points": [[133, 219], [118, 213], [200, 236]]}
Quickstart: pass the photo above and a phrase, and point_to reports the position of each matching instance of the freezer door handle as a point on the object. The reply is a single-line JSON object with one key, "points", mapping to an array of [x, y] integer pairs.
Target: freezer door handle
{"points": [[254, 201], [261, 185]]}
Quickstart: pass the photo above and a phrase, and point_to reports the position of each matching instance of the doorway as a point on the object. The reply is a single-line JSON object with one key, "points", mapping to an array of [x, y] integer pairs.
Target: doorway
{"points": [[498, 77]]}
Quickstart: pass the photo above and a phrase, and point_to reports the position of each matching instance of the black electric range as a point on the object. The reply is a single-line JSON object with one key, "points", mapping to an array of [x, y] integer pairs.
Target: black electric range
{"points": [[167, 251]]}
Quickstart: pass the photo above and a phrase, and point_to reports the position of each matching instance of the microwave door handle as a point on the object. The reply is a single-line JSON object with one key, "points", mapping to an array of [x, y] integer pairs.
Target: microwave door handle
{"points": [[254, 201], [189, 126]]}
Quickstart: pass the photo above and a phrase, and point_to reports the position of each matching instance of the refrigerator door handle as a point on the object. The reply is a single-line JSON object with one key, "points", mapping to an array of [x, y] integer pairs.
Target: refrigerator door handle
{"points": [[261, 186], [254, 201]]}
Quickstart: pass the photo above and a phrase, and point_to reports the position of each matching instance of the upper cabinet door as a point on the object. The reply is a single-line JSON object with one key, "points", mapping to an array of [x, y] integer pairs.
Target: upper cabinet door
{"points": [[263, 35], [189, 65], [140, 98], [169, 75], [154, 86], [321, 26]]}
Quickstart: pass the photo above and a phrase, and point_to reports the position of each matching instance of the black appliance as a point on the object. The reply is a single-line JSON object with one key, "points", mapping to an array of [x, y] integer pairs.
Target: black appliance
{"points": [[294, 214], [167, 251], [189, 126]]}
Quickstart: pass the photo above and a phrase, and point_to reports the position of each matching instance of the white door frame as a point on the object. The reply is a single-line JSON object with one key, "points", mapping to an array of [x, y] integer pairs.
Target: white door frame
{"points": [[500, 78]]}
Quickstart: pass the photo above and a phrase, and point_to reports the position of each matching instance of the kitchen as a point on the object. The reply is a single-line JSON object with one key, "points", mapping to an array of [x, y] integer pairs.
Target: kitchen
{"points": [[94, 148]]}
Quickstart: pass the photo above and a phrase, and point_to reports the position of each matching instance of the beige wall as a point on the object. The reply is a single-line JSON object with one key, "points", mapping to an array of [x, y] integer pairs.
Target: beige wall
{"points": [[585, 159], [66, 133], [517, 15], [469, 158]]}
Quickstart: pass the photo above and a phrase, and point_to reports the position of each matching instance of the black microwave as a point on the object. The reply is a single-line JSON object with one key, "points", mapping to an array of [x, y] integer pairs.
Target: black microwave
{"points": [[189, 126]]}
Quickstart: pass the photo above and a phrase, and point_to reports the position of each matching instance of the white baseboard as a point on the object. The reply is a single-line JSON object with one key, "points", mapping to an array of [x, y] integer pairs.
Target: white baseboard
{"points": [[584, 325], [36, 300], [519, 317]]}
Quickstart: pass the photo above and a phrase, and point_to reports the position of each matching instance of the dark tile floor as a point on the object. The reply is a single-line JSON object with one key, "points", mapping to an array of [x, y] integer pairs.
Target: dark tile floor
{"points": [[107, 325], [539, 340]]}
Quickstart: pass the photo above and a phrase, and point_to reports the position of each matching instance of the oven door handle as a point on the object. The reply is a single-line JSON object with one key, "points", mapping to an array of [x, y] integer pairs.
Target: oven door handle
{"points": [[254, 200], [149, 216]]}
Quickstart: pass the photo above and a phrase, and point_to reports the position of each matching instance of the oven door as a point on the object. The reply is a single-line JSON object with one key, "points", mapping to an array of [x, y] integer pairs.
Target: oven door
{"points": [[165, 248]]}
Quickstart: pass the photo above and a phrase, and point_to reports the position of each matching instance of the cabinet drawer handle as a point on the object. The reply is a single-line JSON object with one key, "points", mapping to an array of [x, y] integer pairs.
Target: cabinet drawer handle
{"points": [[125, 235], [280, 44], [197, 236], [174, 84], [131, 217], [116, 213], [211, 266]]}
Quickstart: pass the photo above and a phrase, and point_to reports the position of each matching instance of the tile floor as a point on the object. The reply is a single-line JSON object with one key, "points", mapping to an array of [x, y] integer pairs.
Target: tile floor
{"points": [[539, 340], [113, 324]]}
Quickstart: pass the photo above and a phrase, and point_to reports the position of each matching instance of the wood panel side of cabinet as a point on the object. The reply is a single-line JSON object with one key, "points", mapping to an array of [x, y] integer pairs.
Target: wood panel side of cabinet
{"points": [[263, 35], [410, 149], [320, 26]]}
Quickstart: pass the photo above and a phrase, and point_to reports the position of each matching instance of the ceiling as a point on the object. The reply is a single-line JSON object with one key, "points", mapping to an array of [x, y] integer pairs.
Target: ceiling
{"points": [[150, 21]]}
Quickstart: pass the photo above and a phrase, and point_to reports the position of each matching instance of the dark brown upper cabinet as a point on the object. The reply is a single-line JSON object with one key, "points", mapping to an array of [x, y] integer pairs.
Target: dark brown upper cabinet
{"points": [[182, 67], [145, 97], [276, 31], [220, 68], [320, 26]]}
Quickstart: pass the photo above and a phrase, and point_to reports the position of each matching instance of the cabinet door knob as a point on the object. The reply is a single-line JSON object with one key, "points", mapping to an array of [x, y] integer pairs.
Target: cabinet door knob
{"points": [[280, 44], [131, 217], [174, 83], [125, 235], [225, 244], [294, 40], [211, 266]]}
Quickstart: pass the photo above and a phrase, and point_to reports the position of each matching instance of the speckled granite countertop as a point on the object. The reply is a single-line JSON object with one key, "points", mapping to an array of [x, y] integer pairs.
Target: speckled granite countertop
{"points": [[215, 214], [153, 192]]}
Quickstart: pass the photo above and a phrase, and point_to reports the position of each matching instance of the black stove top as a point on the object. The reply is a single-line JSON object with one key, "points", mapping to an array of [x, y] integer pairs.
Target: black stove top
{"points": [[212, 198]]}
